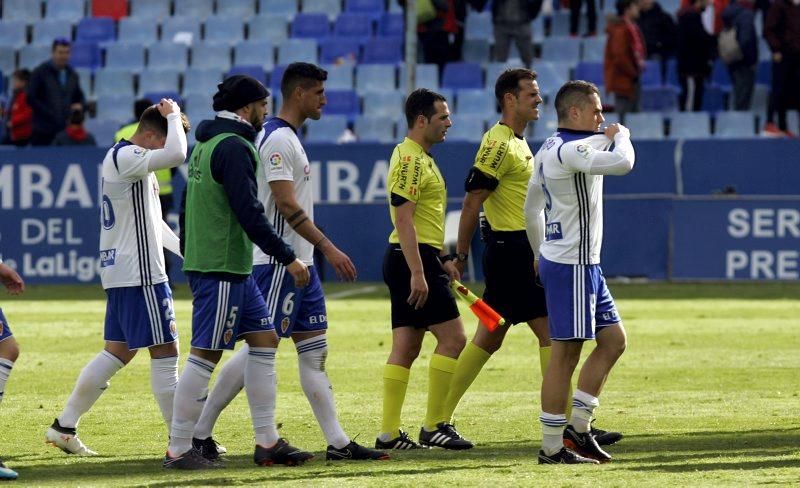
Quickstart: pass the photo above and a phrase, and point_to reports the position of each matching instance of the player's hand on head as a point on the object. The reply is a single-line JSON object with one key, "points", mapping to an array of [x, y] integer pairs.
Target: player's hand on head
{"points": [[341, 263], [419, 291], [299, 272], [168, 106], [11, 280]]}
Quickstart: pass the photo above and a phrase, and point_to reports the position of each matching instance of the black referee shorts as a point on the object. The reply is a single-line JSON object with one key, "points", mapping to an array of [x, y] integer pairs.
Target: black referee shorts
{"points": [[440, 306], [511, 287]]}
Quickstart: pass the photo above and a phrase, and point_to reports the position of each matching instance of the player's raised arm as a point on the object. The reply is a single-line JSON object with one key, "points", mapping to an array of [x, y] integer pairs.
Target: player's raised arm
{"points": [[175, 147]]}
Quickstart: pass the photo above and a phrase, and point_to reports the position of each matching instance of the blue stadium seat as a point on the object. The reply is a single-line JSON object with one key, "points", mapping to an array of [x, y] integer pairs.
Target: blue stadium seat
{"points": [[610, 118], [689, 125], [537, 29], [211, 55], [645, 125], [196, 9], [715, 99], [460, 76], [476, 50], [594, 49], [268, 27], [383, 50], [310, 26], [155, 97], [102, 130], [116, 107], [275, 79], [550, 77], [672, 74], [95, 29], [720, 76], [137, 30], [764, 52], [760, 99], [659, 99], [45, 31], [387, 103], [561, 49], [125, 56], [199, 102], [149, 9], [652, 74], [339, 50], [158, 81], [85, 80], [735, 125], [237, 8], [331, 8], [28, 11], [369, 128], [342, 102], [85, 55], [167, 55], [33, 55], [110, 82], [201, 81], [475, 103], [255, 71], [340, 77], [559, 25], [545, 126], [65, 10], [327, 129], [261, 53], [375, 78], [174, 25], [427, 76], [295, 50], [287, 8], [467, 129], [224, 29], [493, 71], [374, 8], [13, 33], [479, 26], [353, 25], [391, 25], [589, 71]]}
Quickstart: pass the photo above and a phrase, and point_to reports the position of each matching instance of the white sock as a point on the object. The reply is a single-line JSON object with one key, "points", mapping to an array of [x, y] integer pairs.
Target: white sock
{"points": [[190, 394], [552, 432], [583, 404], [92, 382], [260, 384], [5, 371], [229, 382], [163, 380], [311, 355]]}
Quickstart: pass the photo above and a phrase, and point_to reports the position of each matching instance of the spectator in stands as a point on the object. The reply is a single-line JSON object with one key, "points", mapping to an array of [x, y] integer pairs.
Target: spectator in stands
{"points": [[739, 15], [511, 19], [695, 53], [19, 116], [658, 29], [782, 32], [441, 30], [75, 134], [625, 57], [53, 93], [575, 16], [127, 130]]}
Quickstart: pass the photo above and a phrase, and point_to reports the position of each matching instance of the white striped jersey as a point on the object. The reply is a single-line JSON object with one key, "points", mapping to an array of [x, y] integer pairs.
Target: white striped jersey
{"points": [[284, 159], [573, 197], [130, 220]]}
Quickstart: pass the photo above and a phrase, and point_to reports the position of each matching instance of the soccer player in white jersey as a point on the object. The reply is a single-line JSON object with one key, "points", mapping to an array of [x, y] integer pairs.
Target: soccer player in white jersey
{"points": [[139, 310], [564, 220], [285, 189], [9, 349]]}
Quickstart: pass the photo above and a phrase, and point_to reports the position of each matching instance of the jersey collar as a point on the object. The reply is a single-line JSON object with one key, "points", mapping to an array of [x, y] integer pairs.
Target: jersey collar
{"points": [[568, 135]]}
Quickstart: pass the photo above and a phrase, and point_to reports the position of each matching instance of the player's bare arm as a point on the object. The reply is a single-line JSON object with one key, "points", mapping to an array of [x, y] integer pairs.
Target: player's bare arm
{"points": [[407, 234], [11, 280], [283, 192], [473, 200]]}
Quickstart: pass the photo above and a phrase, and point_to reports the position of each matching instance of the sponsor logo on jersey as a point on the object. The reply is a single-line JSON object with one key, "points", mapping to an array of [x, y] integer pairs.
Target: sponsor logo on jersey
{"points": [[107, 213], [285, 323], [227, 336], [552, 231], [107, 257], [275, 160]]}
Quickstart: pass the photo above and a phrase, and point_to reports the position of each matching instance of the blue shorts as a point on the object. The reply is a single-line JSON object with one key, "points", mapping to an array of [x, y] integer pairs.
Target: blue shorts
{"points": [[140, 316], [5, 330], [578, 301], [224, 311], [291, 309]]}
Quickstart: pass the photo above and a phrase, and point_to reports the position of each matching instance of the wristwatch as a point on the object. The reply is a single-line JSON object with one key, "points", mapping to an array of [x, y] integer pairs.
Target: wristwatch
{"points": [[461, 257]]}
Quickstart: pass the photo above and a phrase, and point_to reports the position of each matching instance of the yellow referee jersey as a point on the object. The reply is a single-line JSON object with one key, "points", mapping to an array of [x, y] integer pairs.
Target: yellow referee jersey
{"points": [[508, 159], [414, 176]]}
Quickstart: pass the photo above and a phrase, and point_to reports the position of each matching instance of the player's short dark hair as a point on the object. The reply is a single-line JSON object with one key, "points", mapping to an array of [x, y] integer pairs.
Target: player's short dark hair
{"points": [[422, 102], [152, 119], [139, 106], [622, 6], [304, 75], [572, 94], [508, 82]]}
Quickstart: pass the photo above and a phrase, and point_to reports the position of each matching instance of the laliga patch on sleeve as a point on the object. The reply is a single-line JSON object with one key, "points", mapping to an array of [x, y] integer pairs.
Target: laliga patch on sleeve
{"points": [[275, 161], [139, 151], [584, 150]]}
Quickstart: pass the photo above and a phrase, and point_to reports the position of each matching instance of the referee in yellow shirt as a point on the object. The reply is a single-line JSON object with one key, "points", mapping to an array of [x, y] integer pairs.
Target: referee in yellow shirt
{"points": [[418, 277]]}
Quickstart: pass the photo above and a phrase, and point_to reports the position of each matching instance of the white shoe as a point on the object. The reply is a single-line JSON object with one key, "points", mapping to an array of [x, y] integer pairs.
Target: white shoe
{"points": [[68, 443]]}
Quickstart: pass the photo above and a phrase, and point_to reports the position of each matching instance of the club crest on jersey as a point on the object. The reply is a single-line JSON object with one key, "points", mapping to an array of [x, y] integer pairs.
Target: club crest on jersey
{"points": [[552, 231], [275, 160], [107, 257], [173, 328], [107, 213], [285, 323], [227, 336]]}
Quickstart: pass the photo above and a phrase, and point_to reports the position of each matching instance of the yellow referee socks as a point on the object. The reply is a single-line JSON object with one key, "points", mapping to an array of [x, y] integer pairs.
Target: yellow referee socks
{"points": [[440, 375], [544, 360], [469, 365], [395, 384]]}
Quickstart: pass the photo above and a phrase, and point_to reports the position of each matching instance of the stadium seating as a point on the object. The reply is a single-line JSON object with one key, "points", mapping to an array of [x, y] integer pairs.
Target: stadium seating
{"points": [[261, 53], [201, 81], [478, 26], [27, 11], [475, 103], [689, 125], [227, 29], [340, 77], [85, 55], [561, 48], [659, 99], [593, 49], [342, 102], [85, 80], [64, 10], [382, 50], [12, 33], [125, 57], [734, 125], [110, 82], [369, 128], [95, 29], [469, 129], [8, 59], [715, 98], [31, 56], [720, 76], [115, 9], [764, 73], [103, 130], [137, 30], [374, 8], [652, 74], [550, 77], [310, 26], [239, 8], [167, 55], [427, 75], [645, 125], [156, 96], [292, 50], [150, 9], [590, 71], [195, 9], [286, 8], [211, 55], [391, 25], [340, 50], [459, 76], [559, 25], [358, 26], [331, 8], [375, 77], [327, 129], [45, 31], [115, 107], [275, 78], [256, 72], [387, 103], [268, 27], [476, 50], [159, 81], [175, 25]]}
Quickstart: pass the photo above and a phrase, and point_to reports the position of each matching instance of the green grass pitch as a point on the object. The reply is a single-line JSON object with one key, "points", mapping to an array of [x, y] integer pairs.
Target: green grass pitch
{"points": [[706, 394]]}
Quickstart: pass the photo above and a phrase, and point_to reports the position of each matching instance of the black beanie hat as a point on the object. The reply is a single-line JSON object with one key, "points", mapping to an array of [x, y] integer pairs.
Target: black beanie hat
{"points": [[237, 91]]}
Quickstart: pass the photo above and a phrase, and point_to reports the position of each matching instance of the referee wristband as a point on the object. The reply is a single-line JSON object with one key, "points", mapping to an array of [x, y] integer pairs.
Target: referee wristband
{"points": [[447, 257]]}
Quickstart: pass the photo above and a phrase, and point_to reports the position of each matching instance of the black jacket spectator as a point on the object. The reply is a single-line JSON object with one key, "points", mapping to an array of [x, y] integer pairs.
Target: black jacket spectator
{"points": [[695, 46], [658, 29], [51, 100], [740, 16]]}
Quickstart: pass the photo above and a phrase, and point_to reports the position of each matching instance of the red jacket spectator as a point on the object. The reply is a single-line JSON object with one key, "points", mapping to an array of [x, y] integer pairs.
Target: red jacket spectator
{"points": [[624, 57], [20, 114]]}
